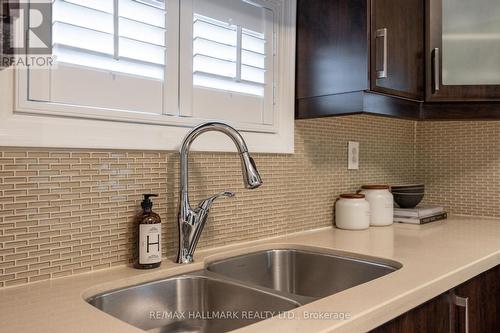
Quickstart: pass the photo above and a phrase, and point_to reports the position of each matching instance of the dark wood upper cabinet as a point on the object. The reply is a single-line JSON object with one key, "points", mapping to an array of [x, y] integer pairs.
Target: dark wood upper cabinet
{"points": [[331, 47], [416, 59], [463, 50], [331, 59], [397, 48]]}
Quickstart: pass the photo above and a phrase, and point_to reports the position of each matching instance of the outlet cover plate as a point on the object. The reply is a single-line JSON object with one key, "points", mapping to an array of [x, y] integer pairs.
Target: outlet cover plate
{"points": [[353, 155]]}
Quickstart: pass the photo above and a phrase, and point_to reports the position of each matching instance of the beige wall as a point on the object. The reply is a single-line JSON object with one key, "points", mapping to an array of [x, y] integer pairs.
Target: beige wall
{"points": [[64, 212]]}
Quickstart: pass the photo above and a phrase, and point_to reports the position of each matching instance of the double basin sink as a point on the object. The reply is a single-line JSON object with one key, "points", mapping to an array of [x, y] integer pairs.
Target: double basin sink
{"points": [[239, 291]]}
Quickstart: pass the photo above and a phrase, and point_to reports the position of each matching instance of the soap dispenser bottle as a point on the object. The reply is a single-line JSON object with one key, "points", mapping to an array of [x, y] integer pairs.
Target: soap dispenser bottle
{"points": [[149, 236]]}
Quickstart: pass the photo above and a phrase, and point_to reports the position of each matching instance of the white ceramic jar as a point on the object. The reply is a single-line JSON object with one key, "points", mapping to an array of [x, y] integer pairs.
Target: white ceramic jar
{"points": [[381, 204], [352, 212]]}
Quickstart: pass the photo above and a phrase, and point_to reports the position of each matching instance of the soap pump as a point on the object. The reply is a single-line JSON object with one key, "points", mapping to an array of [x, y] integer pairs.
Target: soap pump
{"points": [[149, 236]]}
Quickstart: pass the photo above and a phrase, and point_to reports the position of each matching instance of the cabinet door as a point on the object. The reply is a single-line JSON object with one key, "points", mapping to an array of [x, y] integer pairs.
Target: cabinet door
{"points": [[332, 47], [478, 303], [463, 50], [432, 316], [397, 47]]}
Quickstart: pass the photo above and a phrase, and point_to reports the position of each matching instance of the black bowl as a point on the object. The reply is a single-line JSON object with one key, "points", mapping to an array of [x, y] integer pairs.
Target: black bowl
{"points": [[407, 200], [408, 190], [407, 185]]}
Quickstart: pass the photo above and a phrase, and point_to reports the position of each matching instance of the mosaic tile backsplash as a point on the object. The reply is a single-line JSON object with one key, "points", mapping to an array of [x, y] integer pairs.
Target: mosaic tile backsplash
{"points": [[65, 212], [459, 162]]}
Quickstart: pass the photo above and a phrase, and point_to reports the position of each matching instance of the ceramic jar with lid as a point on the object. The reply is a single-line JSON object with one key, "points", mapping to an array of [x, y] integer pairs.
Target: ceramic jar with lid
{"points": [[381, 204], [352, 212]]}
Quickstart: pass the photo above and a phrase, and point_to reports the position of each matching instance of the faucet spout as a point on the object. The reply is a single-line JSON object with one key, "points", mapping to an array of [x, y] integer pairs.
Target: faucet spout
{"points": [[191, 221], [251, 177]]}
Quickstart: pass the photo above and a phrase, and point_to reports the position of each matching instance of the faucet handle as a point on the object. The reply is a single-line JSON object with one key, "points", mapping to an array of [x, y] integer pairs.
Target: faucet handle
{"points": [[207, 203]]}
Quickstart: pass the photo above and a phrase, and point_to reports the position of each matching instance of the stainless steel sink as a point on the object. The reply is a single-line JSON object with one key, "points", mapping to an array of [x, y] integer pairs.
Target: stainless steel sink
{"points": [[183, 304], [304, 273], [240, 291]]}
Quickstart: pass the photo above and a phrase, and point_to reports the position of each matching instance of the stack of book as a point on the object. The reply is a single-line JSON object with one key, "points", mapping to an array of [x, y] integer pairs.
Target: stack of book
{"points": [[419, 215]]}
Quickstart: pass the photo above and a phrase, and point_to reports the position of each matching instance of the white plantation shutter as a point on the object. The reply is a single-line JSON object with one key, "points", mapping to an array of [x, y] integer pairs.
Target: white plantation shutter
{"points": [[232, 61], [110, 54], [228, 57], [125, 36], [169, 62]]}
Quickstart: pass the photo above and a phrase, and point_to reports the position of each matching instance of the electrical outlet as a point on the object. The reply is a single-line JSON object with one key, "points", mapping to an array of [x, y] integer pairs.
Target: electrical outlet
{"points": [[353, 155]]}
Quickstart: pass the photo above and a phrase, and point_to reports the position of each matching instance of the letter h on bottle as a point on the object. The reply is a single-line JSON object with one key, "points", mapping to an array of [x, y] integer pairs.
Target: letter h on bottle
{"points": [[157, 243]]}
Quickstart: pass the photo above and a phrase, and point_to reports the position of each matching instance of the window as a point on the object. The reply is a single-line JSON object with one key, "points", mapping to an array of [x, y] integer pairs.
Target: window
{"points": [[233, 60], [169, 64]]}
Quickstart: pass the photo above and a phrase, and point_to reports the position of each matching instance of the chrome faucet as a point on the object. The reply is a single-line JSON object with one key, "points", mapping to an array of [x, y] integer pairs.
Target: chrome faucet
{"points": [[191, 221]]}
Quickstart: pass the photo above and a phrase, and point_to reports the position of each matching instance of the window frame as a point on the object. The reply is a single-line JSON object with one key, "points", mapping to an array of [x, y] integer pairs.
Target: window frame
{"points": [[45, 124]]}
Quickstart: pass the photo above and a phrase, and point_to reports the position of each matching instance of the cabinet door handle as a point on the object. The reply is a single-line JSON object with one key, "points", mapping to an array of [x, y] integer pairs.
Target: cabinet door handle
{"points": [[435, 68], [382, 33], [462, 302]]}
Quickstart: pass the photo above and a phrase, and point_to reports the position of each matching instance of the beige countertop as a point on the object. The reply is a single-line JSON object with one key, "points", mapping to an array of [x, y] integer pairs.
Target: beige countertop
{"points": [[435, 258]]}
